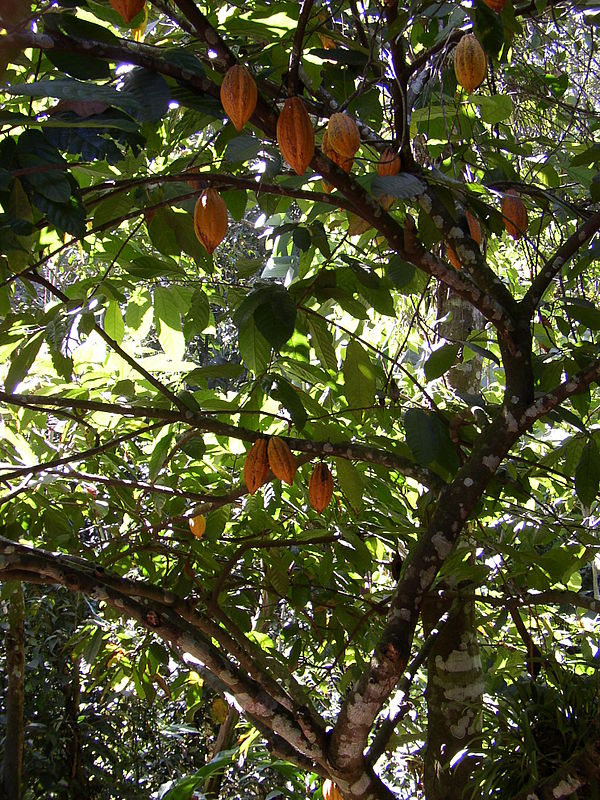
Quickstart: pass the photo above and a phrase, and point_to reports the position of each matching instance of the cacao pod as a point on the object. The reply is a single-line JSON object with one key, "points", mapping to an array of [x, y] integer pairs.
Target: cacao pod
{"points": [[470, 63], [327, 42], [128, 9], [341, 161], [256, 466], [210, 219], [495, 5], [390, 162], [452, 257], [474, 227], [238, 95], [331, 791], [514, 214], [295, 135], [197, 525], [343, 135], [320, 487], [281, 460]]}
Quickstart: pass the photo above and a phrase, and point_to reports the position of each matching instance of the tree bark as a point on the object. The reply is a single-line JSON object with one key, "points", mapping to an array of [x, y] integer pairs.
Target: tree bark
{"points": [[454, 675], [15, 693]]}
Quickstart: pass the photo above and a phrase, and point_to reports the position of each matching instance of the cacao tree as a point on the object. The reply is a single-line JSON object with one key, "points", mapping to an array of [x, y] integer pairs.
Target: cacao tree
{"points": [[352, 245]]}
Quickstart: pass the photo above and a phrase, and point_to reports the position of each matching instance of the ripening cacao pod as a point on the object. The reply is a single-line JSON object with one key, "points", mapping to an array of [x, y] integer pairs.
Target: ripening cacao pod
{"points": [[238, 95], [514, 214], [128, 9], [256, 466], [341, 161], [326, 41], [390, 162], [210, 219], [470, 63], [331, 791], [320, 487], [474, 227], [343, 135], [197, 525], [295, 135], [281, 460], [452, 257], [495, 5]]}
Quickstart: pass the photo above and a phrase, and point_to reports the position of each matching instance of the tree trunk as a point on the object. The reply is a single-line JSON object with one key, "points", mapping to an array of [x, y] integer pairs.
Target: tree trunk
{"points": [[454, 675], [15, 693], [78, 787]]}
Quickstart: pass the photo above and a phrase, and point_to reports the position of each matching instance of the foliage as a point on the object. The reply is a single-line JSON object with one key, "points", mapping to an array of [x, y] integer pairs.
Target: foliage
{"points": [[138, 369]]}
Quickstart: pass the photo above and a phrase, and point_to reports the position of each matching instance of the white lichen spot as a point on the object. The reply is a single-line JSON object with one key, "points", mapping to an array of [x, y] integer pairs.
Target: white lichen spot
{"points": [[511, 422], [514, 400], [457, 661], [327, 448], [426, 577], [457, 233], [442, 546], [468, 482], [491, 462], [400, 613], [571, 386], [426, 203], [566, 787], [438, 221]]}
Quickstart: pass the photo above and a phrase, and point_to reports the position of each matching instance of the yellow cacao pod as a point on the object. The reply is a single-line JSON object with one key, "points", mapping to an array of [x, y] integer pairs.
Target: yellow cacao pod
{"points": [[197, 525], [210, 219], [470, 63], [320, 487], [331, 791], [128, 9], [343, 135], [281, 460], [514, 214], [238, 95], [452, 257], [341, 161], [256, 466], [295, 135], [390, 162]]}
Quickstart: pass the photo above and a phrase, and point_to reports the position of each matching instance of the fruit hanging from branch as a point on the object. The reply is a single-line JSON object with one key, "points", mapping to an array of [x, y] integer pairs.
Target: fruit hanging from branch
{"points": [[295, 135], [331, 791], [281, 460], [238, 95], [495, 5], [128, 9], [390, 162], [320, 487], [210, 219], [343, 135], [474, 227], [341, 161], [256, 466], [470, 62], [514, 214], [197, 525]]}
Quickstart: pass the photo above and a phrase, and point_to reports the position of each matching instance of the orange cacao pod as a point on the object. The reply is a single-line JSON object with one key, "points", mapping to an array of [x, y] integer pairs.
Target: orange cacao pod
{"points": [[331, 791], [343, 135], [256, 466], [390, 162], [210, 219], [295, 135], [281, 460], [495, 5], [470, 63], [452, 257], [514, 214], [128, 9], [320, 487], [474, 227], [197, 525], [238, 95]]}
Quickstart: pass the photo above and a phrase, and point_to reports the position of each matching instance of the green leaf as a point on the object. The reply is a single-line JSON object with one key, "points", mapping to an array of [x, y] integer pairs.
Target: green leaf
{"points": [[350, 482], [70, 89], [113, 321], [421, 435], [159, 453], [254, 348], [167, 317], [494, 108], [359, 378], [288, 396], [587, 474], [404, 186], [276, 318], [322, 341], [440, 361], [22, 360]]}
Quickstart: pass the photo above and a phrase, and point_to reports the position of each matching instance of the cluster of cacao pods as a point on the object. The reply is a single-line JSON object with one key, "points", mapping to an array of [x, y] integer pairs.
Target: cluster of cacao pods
{"points": [[274, 455], [470, 63], [210, 219]]}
